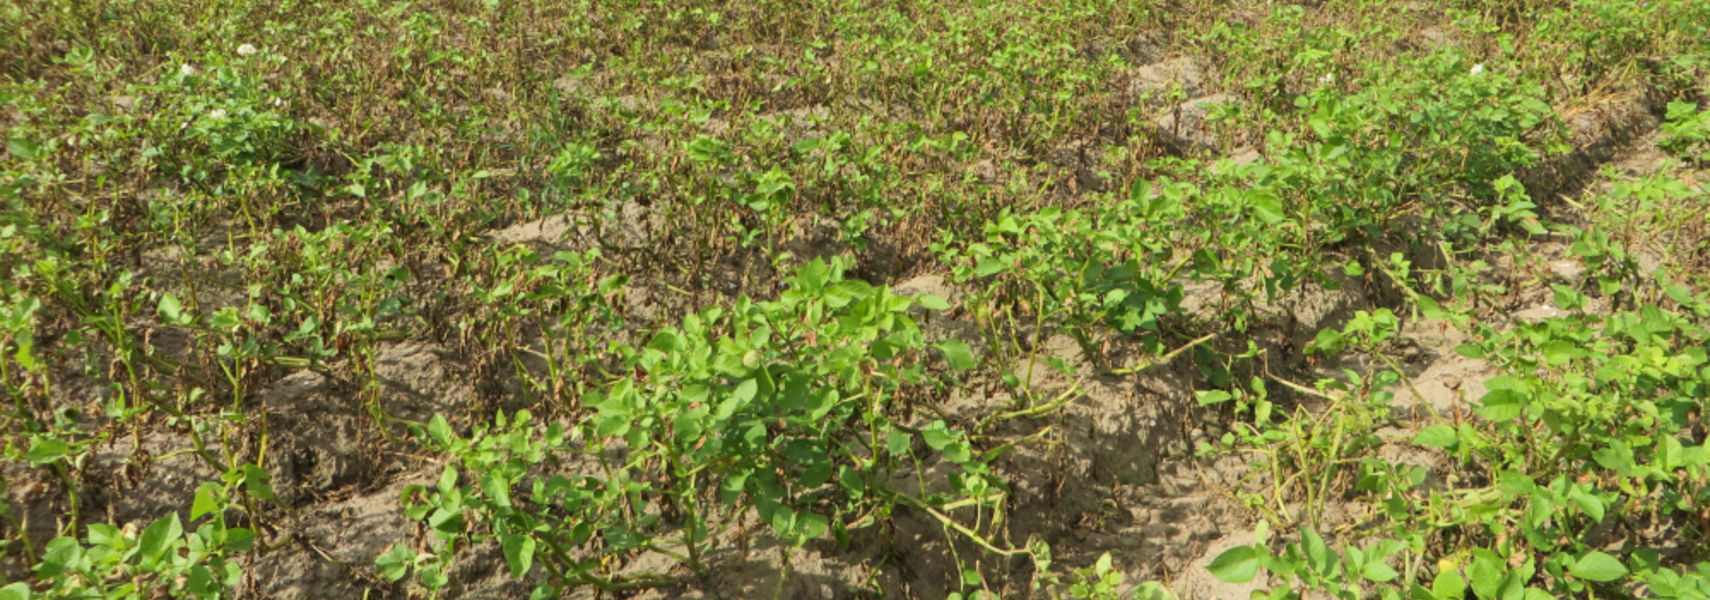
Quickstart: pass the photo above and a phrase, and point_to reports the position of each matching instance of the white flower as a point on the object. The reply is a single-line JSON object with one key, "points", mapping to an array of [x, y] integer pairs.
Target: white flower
{"points": [[247, 50], [1478, 68], [1327, 78], [278, 103], [218, 113], [186, 70]]}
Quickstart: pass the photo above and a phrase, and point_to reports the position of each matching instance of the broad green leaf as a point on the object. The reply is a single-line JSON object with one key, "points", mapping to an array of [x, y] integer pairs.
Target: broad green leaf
{"points": [[1430, 309], [1560, 352], [1592, 505], [810, 526], [1449, 586], [258, 483], [1597, 566], [897, 442], [207, 500], [957, 354], [102, 534], [16, 591], [159, 536], [1378, 571], [63, 554], [46, 450], [1437, 436], [497, 490], [394, 564], [1236, 565], [1266, 206], [1470, 351], [23, 149], [171, 308], [519, 552], [739, 397], [821, 402], [989, 266], [958, 452], [1317, 552], [937, 438], [932, 302], [1501, 405], [1486, 577], [201, 581], [239, 539], [439, 430]]}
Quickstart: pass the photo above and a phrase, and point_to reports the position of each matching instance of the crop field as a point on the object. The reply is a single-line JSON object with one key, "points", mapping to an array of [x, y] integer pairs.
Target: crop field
{"points": [[1148, 299]]}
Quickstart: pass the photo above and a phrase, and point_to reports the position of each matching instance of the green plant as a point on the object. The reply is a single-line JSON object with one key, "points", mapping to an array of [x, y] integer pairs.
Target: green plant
{"points": [[782, 407]]}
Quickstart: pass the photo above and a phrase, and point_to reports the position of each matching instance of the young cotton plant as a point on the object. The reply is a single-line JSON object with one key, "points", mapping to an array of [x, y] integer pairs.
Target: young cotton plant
{"points": [[163, 559], [786, 407]]}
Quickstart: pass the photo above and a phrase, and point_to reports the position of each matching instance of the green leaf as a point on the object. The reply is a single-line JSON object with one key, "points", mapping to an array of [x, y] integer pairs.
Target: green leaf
{"points": [[1430, 309], [937, 438], [23, 149], [171, 308], [1449, 586], [1378, 571], [932, 302], [1486, 577], [497, 490], [1560, 352], [957, 354], [1501, 404], [439, 430], [810, 526], [16, 591], [897, 442], [1236, 565], [447, 479], [1597, 566], [1592, 505], [739, 397], [102, 534], [519, 552], [989, 266], [1470, 351], [207, 500], [1266, 206], [159, 536], [201, 581], [1316, 551], [46, 450], [239, 539], [1437, 436], [258, 483], [1212, 397], [394, 564]]}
